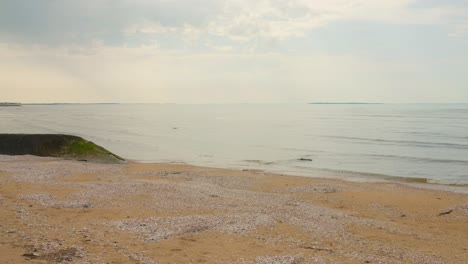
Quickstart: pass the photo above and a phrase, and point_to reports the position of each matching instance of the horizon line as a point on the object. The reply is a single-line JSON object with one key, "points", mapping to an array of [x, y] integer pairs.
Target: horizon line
{"points": [[214, 103]]}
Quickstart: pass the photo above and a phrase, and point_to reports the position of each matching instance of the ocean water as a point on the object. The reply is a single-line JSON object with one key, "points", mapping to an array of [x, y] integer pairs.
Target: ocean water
{"points": [[352, 141]]}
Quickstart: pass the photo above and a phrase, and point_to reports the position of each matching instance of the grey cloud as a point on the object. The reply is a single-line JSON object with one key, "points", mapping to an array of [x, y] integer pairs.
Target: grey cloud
{"points": [[69, 21]]}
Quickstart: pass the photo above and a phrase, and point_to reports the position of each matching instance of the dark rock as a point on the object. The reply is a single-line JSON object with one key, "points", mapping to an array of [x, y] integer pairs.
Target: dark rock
{"points": [[305, 159], [55, 145], [31, 255]]}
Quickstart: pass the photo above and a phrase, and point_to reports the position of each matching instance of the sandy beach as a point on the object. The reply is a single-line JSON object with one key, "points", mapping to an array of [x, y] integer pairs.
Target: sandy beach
{"points": [[63, 211], [233, 131]]}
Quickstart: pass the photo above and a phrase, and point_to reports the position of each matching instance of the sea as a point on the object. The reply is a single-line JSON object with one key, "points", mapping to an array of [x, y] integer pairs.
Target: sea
{"points": [[421, 142]]}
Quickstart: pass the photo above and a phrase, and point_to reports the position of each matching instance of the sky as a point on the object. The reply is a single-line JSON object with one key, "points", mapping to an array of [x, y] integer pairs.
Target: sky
{"points": [[234, 51]]}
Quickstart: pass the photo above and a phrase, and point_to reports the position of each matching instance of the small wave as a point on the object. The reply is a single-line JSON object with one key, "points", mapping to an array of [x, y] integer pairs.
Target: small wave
{"points": [[404, 142], [261, 162], [348, 174], [305, 150], [419, 159]]}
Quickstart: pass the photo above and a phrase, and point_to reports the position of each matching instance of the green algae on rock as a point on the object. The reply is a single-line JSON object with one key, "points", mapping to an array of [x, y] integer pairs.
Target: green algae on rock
{"points": [[55, 145]]}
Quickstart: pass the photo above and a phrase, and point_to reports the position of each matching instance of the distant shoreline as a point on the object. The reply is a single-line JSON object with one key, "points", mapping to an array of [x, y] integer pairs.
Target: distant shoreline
{"points": [[72, 104], [344, 103], [250, 103]]}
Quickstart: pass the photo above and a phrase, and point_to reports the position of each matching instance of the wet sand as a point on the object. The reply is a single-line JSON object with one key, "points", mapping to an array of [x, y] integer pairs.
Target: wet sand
{"points": [[54, 211]]}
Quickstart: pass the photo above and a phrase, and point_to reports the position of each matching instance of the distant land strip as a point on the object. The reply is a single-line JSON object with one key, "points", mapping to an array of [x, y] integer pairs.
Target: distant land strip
{"points": [[71, 104], [344, 103]]}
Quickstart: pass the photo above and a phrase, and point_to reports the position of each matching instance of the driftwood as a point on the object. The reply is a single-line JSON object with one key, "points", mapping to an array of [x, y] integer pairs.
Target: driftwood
{"points": [[446, 213]]}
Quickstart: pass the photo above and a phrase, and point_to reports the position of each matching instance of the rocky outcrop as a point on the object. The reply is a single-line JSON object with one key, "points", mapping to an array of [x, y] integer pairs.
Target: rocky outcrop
{"points": [[55, 145]]}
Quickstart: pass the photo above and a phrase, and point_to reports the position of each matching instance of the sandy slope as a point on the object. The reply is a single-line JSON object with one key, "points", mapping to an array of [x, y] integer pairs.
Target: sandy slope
{"points": [[66, 211]]}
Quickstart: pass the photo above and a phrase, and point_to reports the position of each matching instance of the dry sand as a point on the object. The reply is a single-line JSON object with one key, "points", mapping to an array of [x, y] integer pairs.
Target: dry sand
{"points": [[56, 211]]}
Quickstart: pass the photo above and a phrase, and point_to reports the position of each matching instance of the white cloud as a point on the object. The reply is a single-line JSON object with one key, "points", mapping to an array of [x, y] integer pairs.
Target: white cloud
{"points": [[148, 28], [245, 21]]}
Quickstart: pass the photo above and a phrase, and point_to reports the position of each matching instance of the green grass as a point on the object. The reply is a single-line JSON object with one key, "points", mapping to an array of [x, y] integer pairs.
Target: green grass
{"points": [[87, 149], [83, 147]]}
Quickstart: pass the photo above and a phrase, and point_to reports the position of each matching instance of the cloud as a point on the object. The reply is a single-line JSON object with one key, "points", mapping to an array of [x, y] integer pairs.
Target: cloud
{"points": [[233, 50], [237, 21], [245, 20]]}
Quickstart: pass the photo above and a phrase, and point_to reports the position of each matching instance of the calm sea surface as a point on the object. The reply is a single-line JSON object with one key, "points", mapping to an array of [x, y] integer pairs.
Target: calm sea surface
{"points": [[418, 141]]}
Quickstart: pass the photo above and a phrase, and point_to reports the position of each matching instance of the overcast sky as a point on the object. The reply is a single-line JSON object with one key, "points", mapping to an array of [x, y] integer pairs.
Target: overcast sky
{"points": [[228, 51]]}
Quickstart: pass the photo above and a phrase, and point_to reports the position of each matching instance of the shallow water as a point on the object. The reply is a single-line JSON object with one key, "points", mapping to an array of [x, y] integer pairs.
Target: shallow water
{"points": [[402, 140]]}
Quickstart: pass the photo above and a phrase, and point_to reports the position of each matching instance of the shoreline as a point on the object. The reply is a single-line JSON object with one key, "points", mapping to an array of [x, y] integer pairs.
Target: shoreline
{"points": [[54, 210], [340, 175]]}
